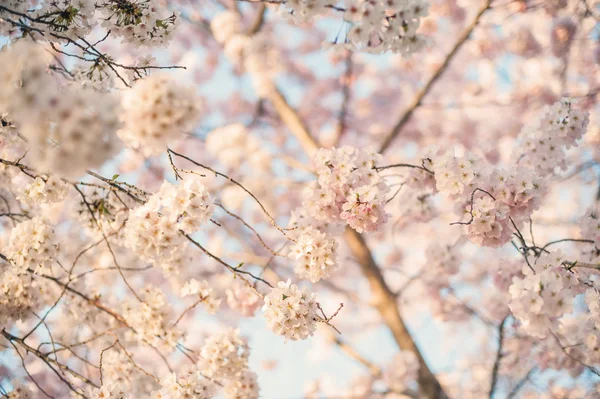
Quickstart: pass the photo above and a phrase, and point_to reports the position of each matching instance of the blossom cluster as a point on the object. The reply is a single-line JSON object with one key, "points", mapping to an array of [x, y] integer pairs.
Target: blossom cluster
{"points": [[291, 311], [380, 26], [18, 296], [204, 293], [348, 189], [244, 386], [401, 371], [539, 299], [189, 383], [224, 358], [376, 26], [70, 128], [44, 191], [151, 319], [224, 355], [543, 142], [32, 246], [315, 253], [493, 200], [157, 110], [154, 230], [139, 22]]}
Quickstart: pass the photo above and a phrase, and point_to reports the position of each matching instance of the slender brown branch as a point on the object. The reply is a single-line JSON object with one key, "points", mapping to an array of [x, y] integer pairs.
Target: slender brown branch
{"points": [[499, 354], [416, 102]]}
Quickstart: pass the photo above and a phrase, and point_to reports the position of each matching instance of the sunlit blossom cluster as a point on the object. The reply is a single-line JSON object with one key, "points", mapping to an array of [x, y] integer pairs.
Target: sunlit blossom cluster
{"points": [[188, 383], [315, 254], [544, 142], [539, 299], [139, 22], [291, 311], [224, 355], [44, 191], [243, 386], [155, 230], [374, 26], [348, 189], [496, 201], [32, 245], [152, 319], [18, 296]]}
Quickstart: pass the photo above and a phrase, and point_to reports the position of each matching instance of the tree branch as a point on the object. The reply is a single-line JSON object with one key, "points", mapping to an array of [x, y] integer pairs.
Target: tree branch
{"points": [[384, 301], [416, 102]]}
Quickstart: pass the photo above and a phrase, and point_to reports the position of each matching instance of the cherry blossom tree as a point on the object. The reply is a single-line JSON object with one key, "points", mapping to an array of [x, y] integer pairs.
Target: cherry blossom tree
{"points": [[299, 198]]}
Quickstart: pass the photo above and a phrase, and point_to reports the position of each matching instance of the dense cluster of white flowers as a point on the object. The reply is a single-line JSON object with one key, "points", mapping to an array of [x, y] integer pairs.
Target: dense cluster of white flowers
{"points": [[543, 142], [18, 296], [151, 319], [539, 299], [233, 144], [376, 26], [139, 22], [290, 311], [66, 19], [402, 371], [154, 229], [224, 355], [31, 245], [348, 189], [70, 128], [252, 52], [204, 293], [157, 110], [493, 199], [315, 253], [380, 26], [187, 384], [40, 191], [243, 386]]}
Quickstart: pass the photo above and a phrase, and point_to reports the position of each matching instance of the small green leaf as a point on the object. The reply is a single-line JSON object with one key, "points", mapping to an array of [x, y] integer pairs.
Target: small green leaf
{"points": [[115, 177]]}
